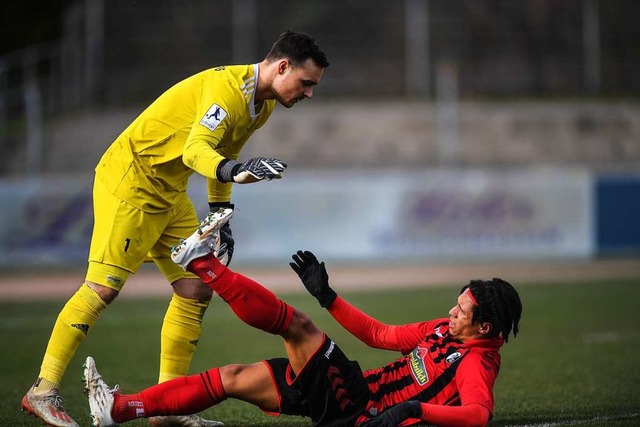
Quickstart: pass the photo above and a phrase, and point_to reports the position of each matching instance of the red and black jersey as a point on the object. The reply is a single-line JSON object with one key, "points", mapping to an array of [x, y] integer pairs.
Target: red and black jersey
{"points": [[435, 368]]}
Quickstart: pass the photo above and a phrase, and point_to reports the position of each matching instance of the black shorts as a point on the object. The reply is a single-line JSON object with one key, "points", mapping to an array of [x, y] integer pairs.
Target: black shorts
{"points": [[330, 388]]}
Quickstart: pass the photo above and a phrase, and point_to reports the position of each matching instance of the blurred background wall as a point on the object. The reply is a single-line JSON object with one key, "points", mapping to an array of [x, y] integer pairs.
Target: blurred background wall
{"points": [[469, 129]]}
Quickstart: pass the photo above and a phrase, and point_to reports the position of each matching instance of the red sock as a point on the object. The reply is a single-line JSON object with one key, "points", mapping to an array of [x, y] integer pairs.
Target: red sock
{"points": [[180, 396], [254, 304]]}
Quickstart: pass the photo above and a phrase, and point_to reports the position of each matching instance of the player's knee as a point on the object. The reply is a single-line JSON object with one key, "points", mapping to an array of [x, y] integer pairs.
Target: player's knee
{"points": [[106, 294], [228, 375], [232, 377], [192, 289], [301, 324], [252, 383]]}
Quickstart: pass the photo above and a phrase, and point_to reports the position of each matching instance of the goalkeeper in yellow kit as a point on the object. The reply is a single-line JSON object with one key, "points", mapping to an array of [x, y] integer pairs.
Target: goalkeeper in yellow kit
{"points": [[141, 207]]}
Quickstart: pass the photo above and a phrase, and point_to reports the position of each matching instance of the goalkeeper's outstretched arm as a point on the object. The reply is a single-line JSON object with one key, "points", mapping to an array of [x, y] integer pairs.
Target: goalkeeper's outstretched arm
{"points": [[253, 170]]}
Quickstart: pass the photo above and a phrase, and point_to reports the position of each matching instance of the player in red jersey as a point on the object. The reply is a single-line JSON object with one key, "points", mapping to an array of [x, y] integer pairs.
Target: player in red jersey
{"points": [[445, 376]]}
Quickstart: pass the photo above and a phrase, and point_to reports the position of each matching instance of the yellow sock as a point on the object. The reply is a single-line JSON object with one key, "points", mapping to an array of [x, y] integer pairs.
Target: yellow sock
{"points": [[179, 337], [74, 322]]}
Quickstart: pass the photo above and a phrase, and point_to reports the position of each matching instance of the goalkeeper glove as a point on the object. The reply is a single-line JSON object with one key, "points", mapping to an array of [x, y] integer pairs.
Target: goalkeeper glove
{"points": [[314, 277], [224, 241], [392, 417], [253, 170]]}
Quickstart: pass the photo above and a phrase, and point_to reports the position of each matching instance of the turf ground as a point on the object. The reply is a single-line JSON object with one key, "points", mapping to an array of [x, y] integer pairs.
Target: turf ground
{"points": [[576, 361]]}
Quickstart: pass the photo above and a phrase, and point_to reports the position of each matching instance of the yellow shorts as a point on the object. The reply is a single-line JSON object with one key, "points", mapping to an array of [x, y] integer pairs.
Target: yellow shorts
{"points": [[124, 237]]}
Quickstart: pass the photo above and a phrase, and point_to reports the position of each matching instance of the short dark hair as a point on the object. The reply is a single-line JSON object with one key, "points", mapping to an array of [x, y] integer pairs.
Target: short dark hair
{"points": [[297, 48], [498, 304]]}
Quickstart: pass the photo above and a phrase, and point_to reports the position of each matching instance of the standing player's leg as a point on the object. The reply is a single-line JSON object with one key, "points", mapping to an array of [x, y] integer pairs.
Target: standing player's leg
{"points": [[74, 321], [182, 322], [117, 249]]}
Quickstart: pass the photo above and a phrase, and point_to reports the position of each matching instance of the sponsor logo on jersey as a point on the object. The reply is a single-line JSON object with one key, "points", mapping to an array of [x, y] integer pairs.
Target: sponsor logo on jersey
{"points": [[329, 350], [418, 366], [114, 280], [453, 357], [213, 117], [82, 326]]}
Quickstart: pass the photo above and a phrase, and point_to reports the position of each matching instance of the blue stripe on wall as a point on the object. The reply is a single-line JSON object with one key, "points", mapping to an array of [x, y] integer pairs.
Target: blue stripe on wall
{"points": [[618, 215]]}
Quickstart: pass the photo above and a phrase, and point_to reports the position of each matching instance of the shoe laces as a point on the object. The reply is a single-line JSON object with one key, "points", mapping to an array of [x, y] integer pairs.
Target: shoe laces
{"points": [[56, 400], [109, 390], [103, 385]]}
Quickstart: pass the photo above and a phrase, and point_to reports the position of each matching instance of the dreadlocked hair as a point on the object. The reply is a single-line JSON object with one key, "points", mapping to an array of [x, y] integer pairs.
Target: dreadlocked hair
{"points": [[498, 304]]}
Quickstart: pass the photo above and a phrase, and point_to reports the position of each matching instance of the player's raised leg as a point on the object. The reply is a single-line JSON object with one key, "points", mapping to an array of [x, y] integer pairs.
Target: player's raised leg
{"points": [[203, 241], [251, 302]]}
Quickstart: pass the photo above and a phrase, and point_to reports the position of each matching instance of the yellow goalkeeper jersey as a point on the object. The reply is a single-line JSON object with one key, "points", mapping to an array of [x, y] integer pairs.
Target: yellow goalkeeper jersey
{"points": [[191, 127]]}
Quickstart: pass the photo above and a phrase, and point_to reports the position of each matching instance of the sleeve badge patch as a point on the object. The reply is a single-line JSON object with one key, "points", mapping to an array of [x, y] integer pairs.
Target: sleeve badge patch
{"points": [[213, 117]]}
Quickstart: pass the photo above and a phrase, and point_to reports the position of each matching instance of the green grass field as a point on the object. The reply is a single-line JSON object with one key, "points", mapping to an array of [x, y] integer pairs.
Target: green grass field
{"points": [[576, 361]]}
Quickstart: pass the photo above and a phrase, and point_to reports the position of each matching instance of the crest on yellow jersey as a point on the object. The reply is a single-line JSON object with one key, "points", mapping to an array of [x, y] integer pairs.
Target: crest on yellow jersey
{"points": [[214, 116]]}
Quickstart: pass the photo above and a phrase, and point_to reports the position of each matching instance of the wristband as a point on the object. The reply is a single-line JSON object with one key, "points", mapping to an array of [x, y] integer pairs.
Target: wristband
{"points": [[227, 169]]}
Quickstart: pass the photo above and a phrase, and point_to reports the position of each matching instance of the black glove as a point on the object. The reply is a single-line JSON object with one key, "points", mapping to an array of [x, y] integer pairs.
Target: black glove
{"points": [[225, 250], [253, 170], [314, 277], [392, 417]]}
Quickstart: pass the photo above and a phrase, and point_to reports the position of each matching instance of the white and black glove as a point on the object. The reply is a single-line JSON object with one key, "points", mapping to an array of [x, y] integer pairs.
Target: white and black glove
{"points": [[253, 170], [224, 242]]}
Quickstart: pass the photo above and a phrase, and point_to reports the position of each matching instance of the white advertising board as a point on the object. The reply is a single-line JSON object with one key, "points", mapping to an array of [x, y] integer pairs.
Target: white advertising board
{"points": [[417, 215], [347, 216]]}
